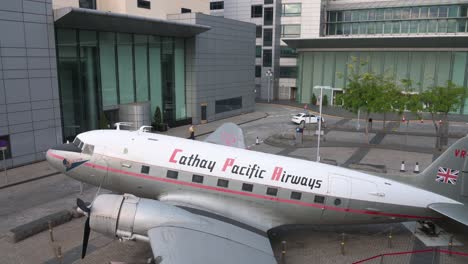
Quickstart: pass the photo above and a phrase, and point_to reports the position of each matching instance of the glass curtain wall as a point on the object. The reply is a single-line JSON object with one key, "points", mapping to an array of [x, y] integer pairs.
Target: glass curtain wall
{"points": [[398, 20], [100, 70], [424, 68]]}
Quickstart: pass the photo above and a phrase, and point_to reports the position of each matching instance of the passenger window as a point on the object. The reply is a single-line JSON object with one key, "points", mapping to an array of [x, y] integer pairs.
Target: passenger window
{"points": [[319, 199], [197, 178], [272, 191], [145, 169], [223, 183], [296, 195], [337, 201], [172, 174], [247, 187], [88, 149]]}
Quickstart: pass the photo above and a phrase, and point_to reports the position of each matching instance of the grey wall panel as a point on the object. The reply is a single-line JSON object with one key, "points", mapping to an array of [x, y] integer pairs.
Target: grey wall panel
{"points": [[28, 79], [41, 89], [19, 118], [16, 91], [13, 129], [15, 32], [22, 143], [36, 35], [43, 139]]}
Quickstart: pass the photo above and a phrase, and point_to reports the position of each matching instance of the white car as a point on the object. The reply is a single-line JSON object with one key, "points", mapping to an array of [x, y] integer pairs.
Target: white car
{"points": [[303, 118]]}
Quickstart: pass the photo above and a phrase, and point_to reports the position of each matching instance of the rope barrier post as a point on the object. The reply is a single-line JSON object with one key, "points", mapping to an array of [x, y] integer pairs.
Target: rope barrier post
{"points": [[390, 244], [59, 254], [450, 244], [381, 259], [51, 234], [342, 243], [435, 255], [283, 252]]}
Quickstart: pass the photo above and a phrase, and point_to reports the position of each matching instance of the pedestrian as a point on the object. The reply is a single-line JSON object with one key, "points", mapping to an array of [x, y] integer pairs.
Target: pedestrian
{"points": [[192, 132]]}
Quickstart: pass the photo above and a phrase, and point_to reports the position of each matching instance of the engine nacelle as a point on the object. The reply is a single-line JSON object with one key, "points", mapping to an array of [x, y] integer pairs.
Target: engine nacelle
{"points": [[130, 217]]}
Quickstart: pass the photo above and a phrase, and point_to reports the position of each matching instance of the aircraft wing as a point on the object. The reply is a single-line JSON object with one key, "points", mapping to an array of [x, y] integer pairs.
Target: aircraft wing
{"points": [[229, 134], [217, 242], [457, 212]]}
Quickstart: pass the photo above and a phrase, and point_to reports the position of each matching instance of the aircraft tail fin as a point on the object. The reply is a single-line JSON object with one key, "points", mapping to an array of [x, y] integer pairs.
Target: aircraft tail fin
{"points": [[448, 174], [229, 134]]}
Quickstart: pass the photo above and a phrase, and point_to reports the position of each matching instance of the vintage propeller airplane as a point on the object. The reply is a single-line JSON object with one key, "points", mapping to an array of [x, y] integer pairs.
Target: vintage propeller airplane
{"points": [[215, 201]]}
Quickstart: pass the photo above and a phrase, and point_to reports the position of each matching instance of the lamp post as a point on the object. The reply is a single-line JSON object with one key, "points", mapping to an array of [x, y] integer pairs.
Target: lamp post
{"points": [[319, 124], [269, 74]]}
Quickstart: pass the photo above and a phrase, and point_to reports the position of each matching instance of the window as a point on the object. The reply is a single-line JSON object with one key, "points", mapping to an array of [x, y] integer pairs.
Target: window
{"points": [[423, 12], [217, 5], [331, 16], [145, 169], [228, 104], [223, 183], [453, 11], [256, 11], [247, 187], [258, 71], [185, 10], [89, 4], [197, 178], [272, 191], [287, 52], [388, 14], [288, 72], [88, 149], [363, 15], [380, 14], [258, 51], [443, 11], [347, 16], [291, 31], [267, 58], [337, 201], [267, 2], [172, 174], [268, 18], [289, 10], [415, 12], [397, 13], [405, 13], [144, 4], [267, 37], [296, 195], [319, 199], [258, 31], [5, 148], [433, 11]]}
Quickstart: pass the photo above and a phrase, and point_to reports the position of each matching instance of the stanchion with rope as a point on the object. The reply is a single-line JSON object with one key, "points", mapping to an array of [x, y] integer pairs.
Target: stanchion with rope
{"points": [[342, 244], [402, 167], [416, 168]]}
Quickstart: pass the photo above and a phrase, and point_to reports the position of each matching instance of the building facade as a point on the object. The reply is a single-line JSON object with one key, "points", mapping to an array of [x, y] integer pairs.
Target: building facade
{"points": [[275, 20], [421, 41], [68, 70]]}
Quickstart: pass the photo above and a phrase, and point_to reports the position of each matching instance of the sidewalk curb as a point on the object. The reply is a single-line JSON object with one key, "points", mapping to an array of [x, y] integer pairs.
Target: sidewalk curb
{"points": [[28, 180]]}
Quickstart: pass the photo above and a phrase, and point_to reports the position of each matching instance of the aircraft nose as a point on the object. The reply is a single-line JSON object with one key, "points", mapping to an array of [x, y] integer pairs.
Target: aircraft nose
{"points": [[56, 155]]}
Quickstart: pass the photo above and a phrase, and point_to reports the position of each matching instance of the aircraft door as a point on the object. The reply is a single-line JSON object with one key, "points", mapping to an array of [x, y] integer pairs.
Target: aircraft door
{"points": [[337, 200], [101, 169]]}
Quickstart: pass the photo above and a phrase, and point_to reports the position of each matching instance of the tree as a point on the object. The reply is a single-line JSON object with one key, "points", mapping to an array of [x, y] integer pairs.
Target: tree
{"points": [[157, 119], [325, 100], [439, 101], [364, 90], [103, 122], [313, 100]]}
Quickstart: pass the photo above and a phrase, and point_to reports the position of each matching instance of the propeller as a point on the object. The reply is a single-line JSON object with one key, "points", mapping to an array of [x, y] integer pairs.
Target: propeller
{"points": [[87, 229]]}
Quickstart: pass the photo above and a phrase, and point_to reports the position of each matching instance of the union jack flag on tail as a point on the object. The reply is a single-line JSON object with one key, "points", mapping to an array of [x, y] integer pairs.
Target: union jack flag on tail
{"points": [[446, 175]]}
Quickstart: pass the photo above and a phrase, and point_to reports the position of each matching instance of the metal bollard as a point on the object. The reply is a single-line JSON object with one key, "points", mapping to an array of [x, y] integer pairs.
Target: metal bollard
{"points": [[390, 244], [257, 142], [342, 243], [51, 234], [283, 252]]}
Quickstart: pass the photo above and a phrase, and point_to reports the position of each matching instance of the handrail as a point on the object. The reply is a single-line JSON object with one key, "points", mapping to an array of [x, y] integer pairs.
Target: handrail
{"points": [[444, 251]]}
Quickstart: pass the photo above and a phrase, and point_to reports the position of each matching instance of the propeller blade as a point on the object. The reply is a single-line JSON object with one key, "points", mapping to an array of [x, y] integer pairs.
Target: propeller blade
{"points": [[87, 230], [82, 205]]}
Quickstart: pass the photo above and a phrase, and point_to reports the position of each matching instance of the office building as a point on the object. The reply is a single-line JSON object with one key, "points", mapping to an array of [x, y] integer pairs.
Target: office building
{"points": [[68, 67]]}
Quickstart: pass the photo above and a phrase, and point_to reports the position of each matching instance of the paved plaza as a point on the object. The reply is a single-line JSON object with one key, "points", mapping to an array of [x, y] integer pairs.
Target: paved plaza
{"points": [[24, 199]]}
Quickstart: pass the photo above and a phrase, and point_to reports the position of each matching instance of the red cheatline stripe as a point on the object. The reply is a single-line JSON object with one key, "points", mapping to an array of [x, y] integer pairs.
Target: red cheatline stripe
{"points": [[413, 252], [258, 196]]}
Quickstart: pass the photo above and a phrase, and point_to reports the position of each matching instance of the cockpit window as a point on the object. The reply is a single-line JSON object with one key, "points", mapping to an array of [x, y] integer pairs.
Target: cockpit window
{"points": [[77, 142], [88, 149]]}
